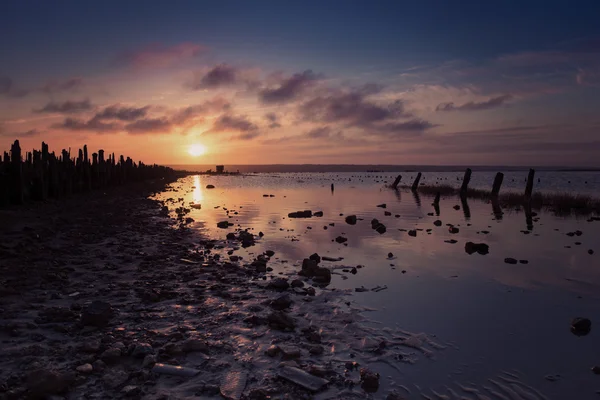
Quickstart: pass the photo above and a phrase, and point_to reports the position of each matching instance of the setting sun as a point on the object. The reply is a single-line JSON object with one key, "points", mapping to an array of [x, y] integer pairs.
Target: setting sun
{"points": [[197, 150]]}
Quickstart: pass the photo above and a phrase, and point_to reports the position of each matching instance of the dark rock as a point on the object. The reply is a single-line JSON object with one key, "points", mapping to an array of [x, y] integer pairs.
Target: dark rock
{"points": [[279, 284], [351, 219], [301, 214], [98, 313], [480, 248], [297, 283], [281, 321], [322, 275], [341, 239], [111, 355], [437, 222], [353, 271], [192, 345], [412, 233], [596, 370], [272, 351], [387, 213], [210, 186], [370, 380], [315, 257], [510, 260], [390, 255], [224, 224], [318, 214], [231, 236], [131, 391], [456, 207], [382, 205], [290, 352], [451, 241], [141, 350], [43, 383], [281, 303], [453, 229], [316, 350], [581, 326], [523, 261], [270, 253], [590, 252]]}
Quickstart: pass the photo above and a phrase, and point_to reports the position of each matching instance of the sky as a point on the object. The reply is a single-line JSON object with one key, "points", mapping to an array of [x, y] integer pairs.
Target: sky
{"points": [[311, 82]]}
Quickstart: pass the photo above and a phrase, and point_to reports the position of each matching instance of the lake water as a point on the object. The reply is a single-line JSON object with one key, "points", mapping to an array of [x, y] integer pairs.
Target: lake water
{"points": [[499, 323]]}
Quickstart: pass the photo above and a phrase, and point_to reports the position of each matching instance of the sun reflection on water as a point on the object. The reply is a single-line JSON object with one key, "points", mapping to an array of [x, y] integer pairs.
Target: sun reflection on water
{"points": [[197, 195]]}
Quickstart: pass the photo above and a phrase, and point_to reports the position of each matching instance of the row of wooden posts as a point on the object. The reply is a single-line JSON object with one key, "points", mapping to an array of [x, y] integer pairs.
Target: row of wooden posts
{"points": [[42, 175], [499, 178]]}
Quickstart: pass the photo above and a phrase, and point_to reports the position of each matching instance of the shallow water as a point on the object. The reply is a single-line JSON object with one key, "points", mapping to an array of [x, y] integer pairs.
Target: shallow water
{"points": [[498, 322]]}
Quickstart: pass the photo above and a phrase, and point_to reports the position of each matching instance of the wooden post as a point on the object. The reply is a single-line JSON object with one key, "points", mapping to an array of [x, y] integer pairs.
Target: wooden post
{"points": [[437, 198], [497, 183], [397, 182], [465, 207], [496, 209], [415, 184], [465, 183], [529, 187]]}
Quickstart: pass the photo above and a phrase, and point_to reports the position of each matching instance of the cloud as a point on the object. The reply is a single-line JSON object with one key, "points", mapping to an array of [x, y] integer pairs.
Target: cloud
{"points": [[94, 125], [186, 114], [149, 125], [17, 135], [273, 120], [122, 113], [229, 122], [160, 56], [67, 107], [320, 132], [351, 108], [415, 127], [7, 88], [289, 88], [220, 75], [493, 102], [71, 84]]}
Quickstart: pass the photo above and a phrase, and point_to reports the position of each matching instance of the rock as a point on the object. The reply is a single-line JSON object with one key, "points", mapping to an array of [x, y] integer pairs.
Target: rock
{"points": [[272, 351], [381, 229], [480, 248], [510, 260], [85, 369], [301, 214], [318, 214], [387, 213], [453, 229], [596, 370], [456, 207], [315, 257], [290, 352], [369, 379], [451, 241], [99, 365], [224, 224], [581, 326], [270, 253], [322, 275], [281, 321], [98, 313], [141, 350], [192, 345], [230, 235], [233, 384], [91, 346], [437, 222], [149, 361], [297, 283], [523, 261], [351, 219], [43, 383], [390, 255], [166, 369], [341, 239], [131, 390], [590, 252], [279, 284], [210, 186], [281, 303], [111, 355], [382, 205], [302, 378], [316, 350], [235, 259], [412, 233]]}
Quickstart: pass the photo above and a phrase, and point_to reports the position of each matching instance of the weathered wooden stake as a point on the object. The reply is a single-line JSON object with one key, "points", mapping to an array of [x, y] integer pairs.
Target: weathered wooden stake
{"points": [[529, 187], [466, 180], [396, 182], [437, 198], [415, 184], [497, 183]]}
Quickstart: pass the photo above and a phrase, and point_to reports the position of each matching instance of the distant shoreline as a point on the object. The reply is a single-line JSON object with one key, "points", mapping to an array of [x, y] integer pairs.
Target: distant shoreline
{"points": [[328, 168]]}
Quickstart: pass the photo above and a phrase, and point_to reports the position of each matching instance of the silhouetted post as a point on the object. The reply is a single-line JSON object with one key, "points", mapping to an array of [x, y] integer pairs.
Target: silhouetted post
{"points": [[465, 207], [465, 183], [528, 216], [415, 184], [16, 174], [497, 183], [496, 208], [529, 187], [332, 188], [437, 199], [397, 182], [417, 198]]}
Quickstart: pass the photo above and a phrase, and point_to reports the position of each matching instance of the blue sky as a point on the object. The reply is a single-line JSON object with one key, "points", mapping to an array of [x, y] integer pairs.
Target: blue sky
{"points": [[454, 67]]}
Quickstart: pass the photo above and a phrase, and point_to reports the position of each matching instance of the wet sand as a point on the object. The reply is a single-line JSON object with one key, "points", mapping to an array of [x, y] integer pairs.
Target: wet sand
{"points": [[242, 321]]}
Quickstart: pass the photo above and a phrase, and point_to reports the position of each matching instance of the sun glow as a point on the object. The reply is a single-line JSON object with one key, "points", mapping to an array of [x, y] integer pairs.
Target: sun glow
{"points": [[197, 149]]}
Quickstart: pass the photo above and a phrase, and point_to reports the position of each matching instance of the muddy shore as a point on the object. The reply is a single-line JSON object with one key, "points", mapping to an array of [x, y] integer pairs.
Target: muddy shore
{"points": [[97, 292]]}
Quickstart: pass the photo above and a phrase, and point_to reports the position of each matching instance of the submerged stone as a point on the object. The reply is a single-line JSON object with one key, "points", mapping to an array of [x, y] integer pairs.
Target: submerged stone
{"points": [[301, 214], [581, 326], [302, 378]]}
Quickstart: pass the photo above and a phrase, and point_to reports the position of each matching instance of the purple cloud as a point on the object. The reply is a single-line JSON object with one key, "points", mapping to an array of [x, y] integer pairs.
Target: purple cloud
{"points": [[320, 132], [273, 120], [233, 123], [67, 107], [288, 89], [7, 88], [149, 125], [94, 125], [220, 75], [494, 102], [187, 114], [122, 113], [17, 135], [70, 84]]}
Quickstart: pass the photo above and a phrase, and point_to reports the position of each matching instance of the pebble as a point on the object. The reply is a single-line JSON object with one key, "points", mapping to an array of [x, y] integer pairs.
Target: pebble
{"points": [[510, 260], [85, 369]]}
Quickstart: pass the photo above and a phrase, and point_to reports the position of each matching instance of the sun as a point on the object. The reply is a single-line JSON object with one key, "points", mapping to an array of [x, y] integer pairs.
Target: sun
{"points": [[197, 149]]}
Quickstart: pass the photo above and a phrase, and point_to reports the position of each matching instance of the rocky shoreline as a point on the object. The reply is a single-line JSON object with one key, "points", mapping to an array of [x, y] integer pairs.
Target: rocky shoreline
{"points": [[108, 296]]}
